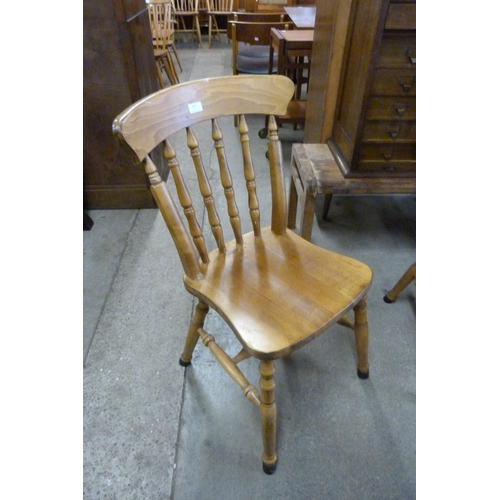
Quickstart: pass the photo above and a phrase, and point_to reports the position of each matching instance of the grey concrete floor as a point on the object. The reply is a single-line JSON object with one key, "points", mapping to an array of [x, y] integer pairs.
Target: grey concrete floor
{"points": [[153, 430]]}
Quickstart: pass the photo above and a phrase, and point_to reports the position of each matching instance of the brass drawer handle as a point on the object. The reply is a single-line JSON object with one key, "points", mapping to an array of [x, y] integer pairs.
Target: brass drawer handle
{"points": [[394, 131], [387, 155], [388, 167], [406, 84], [410, 53], [400, 109]]}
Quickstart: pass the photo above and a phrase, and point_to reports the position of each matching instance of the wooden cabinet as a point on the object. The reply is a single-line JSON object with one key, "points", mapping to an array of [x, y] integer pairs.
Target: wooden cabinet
{"points": [[118, 69], [365, 109]]}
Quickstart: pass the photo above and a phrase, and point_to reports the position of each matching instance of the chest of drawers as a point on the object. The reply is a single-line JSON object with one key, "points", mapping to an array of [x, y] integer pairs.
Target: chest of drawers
{"points": [[373, 124]]}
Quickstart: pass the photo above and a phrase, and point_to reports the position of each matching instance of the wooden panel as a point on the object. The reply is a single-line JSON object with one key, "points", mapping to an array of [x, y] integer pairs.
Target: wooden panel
{"points": [[329, 53], [118, 69], [401, 16]]}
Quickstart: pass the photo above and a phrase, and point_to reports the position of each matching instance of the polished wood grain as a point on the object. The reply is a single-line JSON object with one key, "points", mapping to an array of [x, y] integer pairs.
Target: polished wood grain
{"points": [[275, 290]]}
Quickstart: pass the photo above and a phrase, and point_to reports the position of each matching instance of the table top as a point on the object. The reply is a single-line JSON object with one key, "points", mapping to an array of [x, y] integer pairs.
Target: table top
{"points": [[294, 35], [302, 17]]}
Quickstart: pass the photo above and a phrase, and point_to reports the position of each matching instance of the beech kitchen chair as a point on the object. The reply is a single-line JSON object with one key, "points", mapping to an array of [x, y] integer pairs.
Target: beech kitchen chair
{"points": [[162, 32], [217, 8], [275, 290]]}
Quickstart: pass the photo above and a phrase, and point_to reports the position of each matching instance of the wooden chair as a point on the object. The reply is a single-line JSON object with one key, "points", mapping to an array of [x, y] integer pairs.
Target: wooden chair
{"points": [[188, 9], [162, 31], [275, 290], [217, 8], [259, 17], [409, 276], [250, 43]]}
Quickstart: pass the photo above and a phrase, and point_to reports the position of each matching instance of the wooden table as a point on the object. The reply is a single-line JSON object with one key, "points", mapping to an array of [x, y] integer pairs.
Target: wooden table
{"points": [[302, 17], [294, 48], [287, 44]]}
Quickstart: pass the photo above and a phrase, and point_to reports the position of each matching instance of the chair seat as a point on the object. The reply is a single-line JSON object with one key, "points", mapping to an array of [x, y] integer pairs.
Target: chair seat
{"points": [[281, 291], [255, 65]]}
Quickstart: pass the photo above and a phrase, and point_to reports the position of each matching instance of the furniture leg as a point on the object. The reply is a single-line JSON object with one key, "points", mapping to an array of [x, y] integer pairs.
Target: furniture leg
{"points": [[307, 210], [361, 337], [326, 205], [198, 31], [292, 203], [268, 417], [192, 337], [409, 276], [159, 75]]}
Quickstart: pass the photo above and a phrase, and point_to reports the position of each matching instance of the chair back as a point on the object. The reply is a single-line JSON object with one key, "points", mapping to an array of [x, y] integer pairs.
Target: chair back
{"points": [[250, 42], [220, 5], [254, 17], [186, 6], [161, 22], [156, 119]]}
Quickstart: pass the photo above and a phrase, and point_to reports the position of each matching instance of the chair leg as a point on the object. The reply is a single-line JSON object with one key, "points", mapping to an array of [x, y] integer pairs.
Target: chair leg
{"points": [[159, 75], [326, 205], [268, 417], [361, 337], [177, 57], [192, 337], [209, 31], [404, 281], [198, 31]]}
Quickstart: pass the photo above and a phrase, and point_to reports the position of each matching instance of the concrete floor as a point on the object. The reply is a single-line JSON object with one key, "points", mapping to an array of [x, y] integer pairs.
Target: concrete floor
{"points": [[153, 430]]}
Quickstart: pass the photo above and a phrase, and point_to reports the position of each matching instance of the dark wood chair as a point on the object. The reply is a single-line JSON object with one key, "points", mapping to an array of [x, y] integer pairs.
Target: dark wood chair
{"points": [[275, 290], [250, 42]]}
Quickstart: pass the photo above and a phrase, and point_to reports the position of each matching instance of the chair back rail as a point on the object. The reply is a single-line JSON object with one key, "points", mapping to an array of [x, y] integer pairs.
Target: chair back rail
{"points": [[256, 33], [155, 118]]}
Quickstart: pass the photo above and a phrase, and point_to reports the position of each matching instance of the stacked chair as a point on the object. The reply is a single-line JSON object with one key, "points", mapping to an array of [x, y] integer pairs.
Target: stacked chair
{"points": [[162, 31]]}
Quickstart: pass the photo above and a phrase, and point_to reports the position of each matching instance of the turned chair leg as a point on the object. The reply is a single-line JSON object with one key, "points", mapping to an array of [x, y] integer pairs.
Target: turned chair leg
{"points": [[268, 417], [361, 336], [404, 281], [193, 336]]}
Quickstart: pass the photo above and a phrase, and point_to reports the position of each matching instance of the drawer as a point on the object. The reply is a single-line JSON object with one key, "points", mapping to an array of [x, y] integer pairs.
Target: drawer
{"points": [[401, 16], [398, 51], [394, 130], [394, 82], [386, 168], [387, 153], [391, 108]]}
